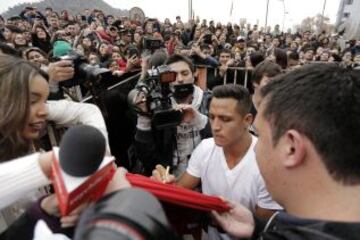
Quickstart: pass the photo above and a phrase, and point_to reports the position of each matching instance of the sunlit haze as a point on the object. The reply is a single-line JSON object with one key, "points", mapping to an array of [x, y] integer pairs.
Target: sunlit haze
{"points": [[253, 11]]}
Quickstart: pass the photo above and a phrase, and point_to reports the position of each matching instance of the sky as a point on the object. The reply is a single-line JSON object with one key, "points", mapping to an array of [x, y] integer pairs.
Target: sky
{"points": [[219, 10]]}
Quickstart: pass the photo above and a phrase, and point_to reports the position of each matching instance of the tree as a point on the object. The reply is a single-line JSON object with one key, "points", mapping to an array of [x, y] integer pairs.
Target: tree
{"points": [[316, 24]]}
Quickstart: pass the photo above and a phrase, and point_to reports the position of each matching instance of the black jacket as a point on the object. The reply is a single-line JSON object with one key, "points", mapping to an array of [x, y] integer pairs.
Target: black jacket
{"points": [[157, 147], [284, 226]]}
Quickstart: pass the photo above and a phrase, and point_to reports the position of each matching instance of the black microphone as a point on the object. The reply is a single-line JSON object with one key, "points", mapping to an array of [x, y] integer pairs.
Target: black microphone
{"points": [[82, 149], [81, 171]]}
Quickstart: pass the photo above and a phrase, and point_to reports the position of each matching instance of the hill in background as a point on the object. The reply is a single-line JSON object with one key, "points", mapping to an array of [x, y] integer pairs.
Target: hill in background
{"points": [[73, 6]]}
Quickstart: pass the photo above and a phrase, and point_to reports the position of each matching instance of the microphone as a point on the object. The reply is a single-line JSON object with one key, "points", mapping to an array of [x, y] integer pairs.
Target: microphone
{"points": [[82, 150], [80, 172]]}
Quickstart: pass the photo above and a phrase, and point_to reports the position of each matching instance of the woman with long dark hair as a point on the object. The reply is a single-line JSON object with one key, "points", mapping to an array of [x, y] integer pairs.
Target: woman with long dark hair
{"points": [[23, 91], [41, 38], [24, 110]]}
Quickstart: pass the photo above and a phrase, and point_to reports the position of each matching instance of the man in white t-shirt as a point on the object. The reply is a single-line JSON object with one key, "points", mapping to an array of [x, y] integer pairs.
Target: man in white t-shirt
{"points": [[226, 164]]}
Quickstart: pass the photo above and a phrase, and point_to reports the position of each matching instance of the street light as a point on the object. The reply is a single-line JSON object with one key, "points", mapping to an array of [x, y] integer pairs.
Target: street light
{"points": [[190, 9], [322, 15], [266, 15], [284, 16]]}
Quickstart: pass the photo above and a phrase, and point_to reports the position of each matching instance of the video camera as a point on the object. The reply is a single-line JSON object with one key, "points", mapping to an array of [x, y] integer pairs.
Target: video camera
{"points": [[159, 98]]}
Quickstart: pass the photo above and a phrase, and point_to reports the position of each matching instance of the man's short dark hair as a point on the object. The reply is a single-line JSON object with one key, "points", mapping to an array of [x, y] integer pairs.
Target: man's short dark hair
{"points": [[293, 56], [204, 46], [307, 48], [322, 102], [281, 57], [237, 92], [265, 68], [256, 58], [180, 58], [225, 50], [70, 23]]}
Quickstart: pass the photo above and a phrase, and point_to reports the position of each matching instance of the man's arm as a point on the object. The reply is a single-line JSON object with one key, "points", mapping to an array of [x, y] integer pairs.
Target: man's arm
{"points": [[266, 206], [186, 180]]}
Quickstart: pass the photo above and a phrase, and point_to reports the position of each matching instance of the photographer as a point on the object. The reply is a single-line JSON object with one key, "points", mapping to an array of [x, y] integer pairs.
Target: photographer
{"points": [[173, 146]]}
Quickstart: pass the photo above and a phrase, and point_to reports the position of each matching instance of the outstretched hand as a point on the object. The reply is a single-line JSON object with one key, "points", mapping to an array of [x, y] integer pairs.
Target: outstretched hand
{"points": [[238, 221]]}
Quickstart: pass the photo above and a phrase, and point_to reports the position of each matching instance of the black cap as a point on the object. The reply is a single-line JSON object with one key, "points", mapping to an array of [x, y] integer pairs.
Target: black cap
{"points": [[82, 149]]}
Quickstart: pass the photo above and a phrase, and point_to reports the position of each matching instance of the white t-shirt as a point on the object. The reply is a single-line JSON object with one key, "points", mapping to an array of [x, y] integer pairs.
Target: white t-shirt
{"points": [[242, 184]]}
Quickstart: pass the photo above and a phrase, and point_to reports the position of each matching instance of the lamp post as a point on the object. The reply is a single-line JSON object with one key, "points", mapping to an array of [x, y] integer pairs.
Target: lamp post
{"points": [[266, 15], [284, 15], [322, 14], [190, 9]]}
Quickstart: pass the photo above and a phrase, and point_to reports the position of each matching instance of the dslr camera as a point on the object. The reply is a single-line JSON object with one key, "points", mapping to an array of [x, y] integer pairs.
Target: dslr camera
{"points": [[159, 98], [151, 43], [83, 71]]}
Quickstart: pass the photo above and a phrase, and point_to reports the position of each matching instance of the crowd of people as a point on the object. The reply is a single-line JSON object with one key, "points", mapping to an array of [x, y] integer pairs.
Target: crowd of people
{"points": [[280, 146], [118, 43]]}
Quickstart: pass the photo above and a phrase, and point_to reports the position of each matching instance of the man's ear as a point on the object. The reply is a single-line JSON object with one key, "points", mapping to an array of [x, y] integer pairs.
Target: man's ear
{"points": [[293, 147], [196, 76], [249, 119], [196, 73]]}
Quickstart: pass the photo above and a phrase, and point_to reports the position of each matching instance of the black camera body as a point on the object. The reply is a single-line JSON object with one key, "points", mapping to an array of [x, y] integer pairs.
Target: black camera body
{"points": [[159, 98], [151, 43], [83, 71]]}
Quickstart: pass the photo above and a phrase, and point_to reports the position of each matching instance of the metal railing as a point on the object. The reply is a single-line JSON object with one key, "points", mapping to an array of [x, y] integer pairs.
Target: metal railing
{"points": [[235, 78], [54, 132]]}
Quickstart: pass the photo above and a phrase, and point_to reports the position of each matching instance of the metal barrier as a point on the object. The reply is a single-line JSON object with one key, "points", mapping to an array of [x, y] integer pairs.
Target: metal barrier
{"points": [[202, 78], [54, 133], [123, 82]]}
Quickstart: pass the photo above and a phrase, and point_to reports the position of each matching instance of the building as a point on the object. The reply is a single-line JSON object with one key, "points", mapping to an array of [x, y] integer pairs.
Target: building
{"points": [[348, 18]]}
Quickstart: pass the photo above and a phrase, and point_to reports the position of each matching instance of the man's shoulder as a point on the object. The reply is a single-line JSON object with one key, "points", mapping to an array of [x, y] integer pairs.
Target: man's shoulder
{"points": [[206, 144], [205, 148], [201, 157], [251, 151]]}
